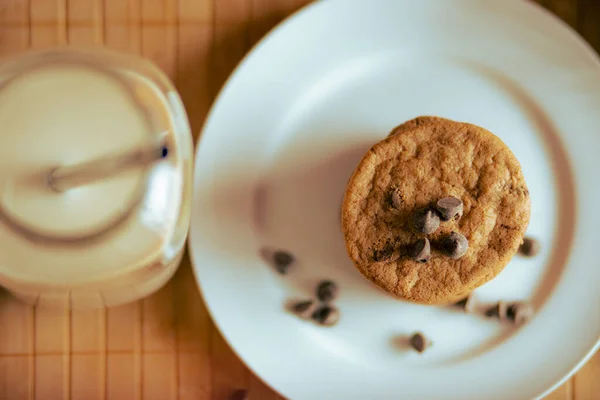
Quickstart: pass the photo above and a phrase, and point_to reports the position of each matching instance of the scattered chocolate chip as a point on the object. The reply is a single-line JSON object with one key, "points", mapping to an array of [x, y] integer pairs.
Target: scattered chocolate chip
{"points": [[519, 312], [305, 308], [467, 304], [530, 247], [511, 312], [419, 342], [326, 316], [239, 394], [449, 207], [420, 250], [426, 221], [461, 303], [396, 198], [493, 312], [455, 245], [386, 254], [497, 311], [327, 291], [282, 260]]}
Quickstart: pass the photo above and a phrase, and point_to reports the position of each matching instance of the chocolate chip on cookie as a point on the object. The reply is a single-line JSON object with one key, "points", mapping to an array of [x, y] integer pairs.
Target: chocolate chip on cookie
{"points": [[305, 308], [420, 250], [419, 342], [385, 254], [519, 312], [455, 245], [326, 316], [283, 260], [327, 291], [530, 247], [426, 221], [449, 207]]}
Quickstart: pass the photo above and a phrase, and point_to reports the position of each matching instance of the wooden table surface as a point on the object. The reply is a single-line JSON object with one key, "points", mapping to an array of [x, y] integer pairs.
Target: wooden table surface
{"points": [[165, 346]]}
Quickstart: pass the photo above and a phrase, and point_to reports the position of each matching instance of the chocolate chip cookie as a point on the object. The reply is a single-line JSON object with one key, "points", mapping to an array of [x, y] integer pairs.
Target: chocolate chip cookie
{"points": [[456, 185]]}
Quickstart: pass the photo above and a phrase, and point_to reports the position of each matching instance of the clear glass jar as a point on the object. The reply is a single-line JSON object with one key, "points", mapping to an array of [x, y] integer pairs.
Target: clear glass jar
{"points": [[107, 242]]}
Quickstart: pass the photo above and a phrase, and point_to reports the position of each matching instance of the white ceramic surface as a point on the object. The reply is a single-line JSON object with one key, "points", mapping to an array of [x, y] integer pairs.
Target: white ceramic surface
{"points": [[283, 138]]}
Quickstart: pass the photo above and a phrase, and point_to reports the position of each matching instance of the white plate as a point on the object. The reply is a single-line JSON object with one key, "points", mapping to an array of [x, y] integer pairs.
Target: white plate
{"points": [[285, 135]]}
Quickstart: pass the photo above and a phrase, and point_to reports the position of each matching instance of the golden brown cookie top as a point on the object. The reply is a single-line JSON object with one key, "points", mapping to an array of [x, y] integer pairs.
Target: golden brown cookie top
{"points": [[421, 162]]}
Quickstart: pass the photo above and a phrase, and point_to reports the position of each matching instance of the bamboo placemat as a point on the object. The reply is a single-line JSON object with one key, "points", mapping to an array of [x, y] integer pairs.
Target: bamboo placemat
{"points": [[165, 346]]}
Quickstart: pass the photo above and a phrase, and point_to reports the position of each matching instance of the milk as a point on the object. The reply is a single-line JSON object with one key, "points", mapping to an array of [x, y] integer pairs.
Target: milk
{"points": [[67, 248]]}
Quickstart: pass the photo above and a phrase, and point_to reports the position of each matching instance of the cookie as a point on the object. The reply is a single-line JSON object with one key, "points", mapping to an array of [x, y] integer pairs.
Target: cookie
{"points": [[413, 123], [421, 162]]}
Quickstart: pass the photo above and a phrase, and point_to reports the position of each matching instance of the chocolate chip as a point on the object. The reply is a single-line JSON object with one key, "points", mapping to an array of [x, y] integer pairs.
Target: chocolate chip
{"points": [[326, 316], [239, 394], [455, 245], [304, 309], [497, 311], [419, 342], [420, 250], [426, 221], [467, 304], [519, 312], [530, 247], [396, 200], [327, 291], [449, 207], [283, 260], [493, 312], [461, 303], [511, 312], [386, 254]]}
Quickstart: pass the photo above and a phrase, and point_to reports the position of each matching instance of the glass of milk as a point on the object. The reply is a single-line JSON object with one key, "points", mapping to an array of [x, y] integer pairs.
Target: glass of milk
{"points": [[105, 242]]}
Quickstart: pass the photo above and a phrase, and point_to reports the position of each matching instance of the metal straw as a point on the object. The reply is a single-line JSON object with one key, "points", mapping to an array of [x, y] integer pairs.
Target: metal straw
{"points": [[64, 178]]}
